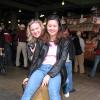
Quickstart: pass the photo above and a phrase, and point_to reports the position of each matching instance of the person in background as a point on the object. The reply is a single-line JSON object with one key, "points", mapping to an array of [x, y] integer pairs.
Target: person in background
{"points": [[78, 61], [8, 46], [82, 44], [89, 50], [1, 50], [21, 47], [14, 46], [1, 38], [47, 62], [68, 85], [97, 57]]}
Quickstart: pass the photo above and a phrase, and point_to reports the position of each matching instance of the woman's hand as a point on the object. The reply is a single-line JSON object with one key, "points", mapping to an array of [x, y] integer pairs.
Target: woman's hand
{"points": [[25, 81], [45, 80], [33, 49]]}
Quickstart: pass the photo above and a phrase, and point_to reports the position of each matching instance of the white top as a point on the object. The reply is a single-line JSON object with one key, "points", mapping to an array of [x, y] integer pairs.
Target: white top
{"points": [[82, 44], [51, 55], [68, 60]]}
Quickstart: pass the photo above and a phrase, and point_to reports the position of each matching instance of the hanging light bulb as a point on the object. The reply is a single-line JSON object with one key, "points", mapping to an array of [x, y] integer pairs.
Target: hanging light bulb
{"points": [[20, 11], [63, 3], [42, 15], [9, 22]]}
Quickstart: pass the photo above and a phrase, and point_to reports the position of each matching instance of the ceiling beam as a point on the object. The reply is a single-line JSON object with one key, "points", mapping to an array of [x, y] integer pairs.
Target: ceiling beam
{"points": [[56, 7], [40, 8], [17, 5]]}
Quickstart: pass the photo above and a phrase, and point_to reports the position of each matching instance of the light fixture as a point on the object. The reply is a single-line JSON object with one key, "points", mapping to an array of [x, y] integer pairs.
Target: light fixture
{"points": [[20, 10], [63, 3], [94, 8], [9, 22], [18, 20], [42, 15]]}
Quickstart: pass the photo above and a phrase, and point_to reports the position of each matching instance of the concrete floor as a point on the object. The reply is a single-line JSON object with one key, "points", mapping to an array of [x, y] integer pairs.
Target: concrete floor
{"points": [[86, 88]]}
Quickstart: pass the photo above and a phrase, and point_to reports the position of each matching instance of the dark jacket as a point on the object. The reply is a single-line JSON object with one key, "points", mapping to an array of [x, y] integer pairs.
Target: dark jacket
{"points": [[40, 54], [71, 48], [71, 51], [77, 46], [1, 40], [21, 36], [98, 45]]}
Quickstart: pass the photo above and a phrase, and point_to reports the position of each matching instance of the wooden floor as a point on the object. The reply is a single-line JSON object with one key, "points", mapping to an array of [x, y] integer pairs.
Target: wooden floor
{"points": [[86, 88]]}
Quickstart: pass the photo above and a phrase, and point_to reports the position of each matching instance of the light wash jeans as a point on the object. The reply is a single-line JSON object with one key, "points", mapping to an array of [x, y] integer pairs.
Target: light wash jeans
{"points": [[69, 82], [93, 71], [35, 82]]}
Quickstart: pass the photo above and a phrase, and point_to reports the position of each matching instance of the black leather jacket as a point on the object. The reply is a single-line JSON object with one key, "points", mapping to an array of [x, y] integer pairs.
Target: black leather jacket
{"points": [[69, 50], [41, 52]]}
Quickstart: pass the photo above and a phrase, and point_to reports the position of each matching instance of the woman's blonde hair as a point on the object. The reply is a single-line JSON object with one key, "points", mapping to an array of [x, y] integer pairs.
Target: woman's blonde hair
{"points": [[29, 34]]}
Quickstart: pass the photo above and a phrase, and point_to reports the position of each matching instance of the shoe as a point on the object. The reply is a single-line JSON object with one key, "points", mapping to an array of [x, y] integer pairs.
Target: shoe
{"points": [[25, 67], [91, 76], [66, 95], [3, 71], [17, 66], [73, 90]]}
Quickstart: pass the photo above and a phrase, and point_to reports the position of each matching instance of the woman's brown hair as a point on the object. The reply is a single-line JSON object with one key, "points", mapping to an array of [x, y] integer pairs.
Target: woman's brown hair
{"points": [[66, 31], [46, 36]]}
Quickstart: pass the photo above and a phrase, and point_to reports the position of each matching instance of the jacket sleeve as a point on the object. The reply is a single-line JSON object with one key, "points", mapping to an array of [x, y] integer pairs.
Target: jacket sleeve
{"points": [[57, 67]]}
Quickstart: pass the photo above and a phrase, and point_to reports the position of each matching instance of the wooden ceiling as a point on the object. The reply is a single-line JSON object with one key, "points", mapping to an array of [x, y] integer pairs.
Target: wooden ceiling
{"points": [[29, 7], [45, 5]]}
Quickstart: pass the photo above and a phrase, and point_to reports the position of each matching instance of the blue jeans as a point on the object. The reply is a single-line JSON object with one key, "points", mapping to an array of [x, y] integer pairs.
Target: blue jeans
{"points": [[35, 82], [69, 82], [93, 71]]}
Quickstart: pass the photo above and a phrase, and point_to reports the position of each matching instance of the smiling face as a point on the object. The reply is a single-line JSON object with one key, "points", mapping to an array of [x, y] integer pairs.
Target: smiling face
{"points": [[35, 30], [52, 28]]}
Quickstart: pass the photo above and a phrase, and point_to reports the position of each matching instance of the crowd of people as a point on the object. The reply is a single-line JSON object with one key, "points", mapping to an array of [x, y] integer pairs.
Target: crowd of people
{"points": [[49, 52]]}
